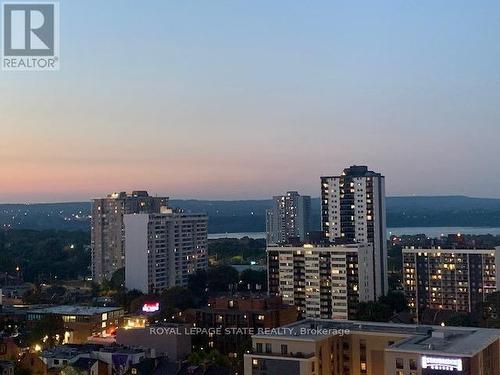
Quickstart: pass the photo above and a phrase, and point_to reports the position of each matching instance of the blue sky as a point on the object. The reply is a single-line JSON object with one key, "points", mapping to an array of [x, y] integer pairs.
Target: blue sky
{"points": [[246, 99]]}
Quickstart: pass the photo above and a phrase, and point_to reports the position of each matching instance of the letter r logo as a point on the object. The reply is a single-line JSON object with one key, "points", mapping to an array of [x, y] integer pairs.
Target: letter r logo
{"points": [[28, 29]]}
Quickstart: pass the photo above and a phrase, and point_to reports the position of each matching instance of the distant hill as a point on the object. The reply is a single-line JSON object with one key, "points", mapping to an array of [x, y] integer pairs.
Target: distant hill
{"points": [[455, 202], [443, 211], [249, 215]]}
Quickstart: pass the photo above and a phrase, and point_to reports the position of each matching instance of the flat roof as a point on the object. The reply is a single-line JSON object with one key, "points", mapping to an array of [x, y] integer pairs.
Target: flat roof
{"points": [[458, 341], [74, 310], [451, 251], [68, 351], [333, 247]]}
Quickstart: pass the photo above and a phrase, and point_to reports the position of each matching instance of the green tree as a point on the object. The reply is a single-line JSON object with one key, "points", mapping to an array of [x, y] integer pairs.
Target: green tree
{"points": [[395, 300], [213, 356], [373, 312], [253, 278], [137, 303], [45, 256], [127, 298], [459, 320], [198, 282], [221, 278], [177, 298], [51, 327], [117, 281]]}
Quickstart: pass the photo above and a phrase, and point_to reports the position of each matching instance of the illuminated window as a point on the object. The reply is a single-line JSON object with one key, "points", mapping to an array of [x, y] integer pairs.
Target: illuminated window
{"points": [[69, 318]]}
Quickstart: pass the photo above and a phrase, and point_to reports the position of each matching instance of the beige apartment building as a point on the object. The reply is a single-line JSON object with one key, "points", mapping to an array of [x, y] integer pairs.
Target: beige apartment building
{"points": [[107, 232], [329, 347], [324, 282]]}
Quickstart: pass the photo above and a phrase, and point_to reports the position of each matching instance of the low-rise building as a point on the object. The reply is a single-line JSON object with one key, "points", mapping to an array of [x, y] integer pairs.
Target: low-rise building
{"points": [[63, 355], [159, 340], [247, 311], [86, 366], [329, 347], [8, 348], [81, 322], [6, 367], [70, 358]]}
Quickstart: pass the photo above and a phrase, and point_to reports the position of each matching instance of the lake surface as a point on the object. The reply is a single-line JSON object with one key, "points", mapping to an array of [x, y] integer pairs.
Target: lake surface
{"points": [[429, 231]]}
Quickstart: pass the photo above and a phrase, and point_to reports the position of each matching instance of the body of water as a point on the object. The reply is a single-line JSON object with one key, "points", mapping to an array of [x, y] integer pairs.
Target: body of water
{"points": [[428, 231], [442, 231], [256, 235]]}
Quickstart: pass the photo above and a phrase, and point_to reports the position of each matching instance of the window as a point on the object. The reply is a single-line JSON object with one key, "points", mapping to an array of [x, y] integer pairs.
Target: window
{"points": [[258, 347], [255, 362], [413, 364], [400, 363], [284, 349], [69, 318], [268, 348]]}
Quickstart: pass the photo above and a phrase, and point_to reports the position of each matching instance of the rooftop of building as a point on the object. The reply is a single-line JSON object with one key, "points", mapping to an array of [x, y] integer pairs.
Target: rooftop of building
{"points": [[119, 349], [84, 363], [74, 310], [133, 194], [69, 351], [327, 247], [464, 341], [357, 171], [449, 341], [438, 249], [244, 296]]}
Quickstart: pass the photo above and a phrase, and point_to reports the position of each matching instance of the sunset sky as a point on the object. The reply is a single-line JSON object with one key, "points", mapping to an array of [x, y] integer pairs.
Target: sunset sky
{"points": [[246, 99]]}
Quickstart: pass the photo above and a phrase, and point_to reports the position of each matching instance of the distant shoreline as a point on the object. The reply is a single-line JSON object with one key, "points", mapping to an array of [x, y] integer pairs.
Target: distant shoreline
{"points": [[429, 231]]}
